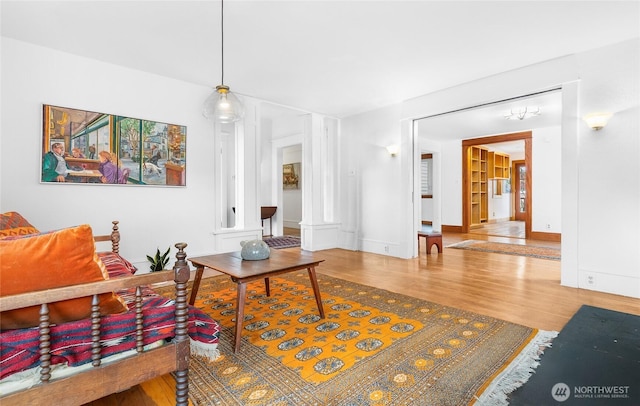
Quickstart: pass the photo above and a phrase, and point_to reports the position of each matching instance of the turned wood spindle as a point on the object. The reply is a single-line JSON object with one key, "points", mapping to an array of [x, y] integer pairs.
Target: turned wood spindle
{"points": [[96, 354], [139, 321], [45, 343], [181, 277], [115, 237]]}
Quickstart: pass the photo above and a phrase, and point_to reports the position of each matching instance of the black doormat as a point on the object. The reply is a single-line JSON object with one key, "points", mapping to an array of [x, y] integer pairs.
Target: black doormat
{"points": [[595, 360]]}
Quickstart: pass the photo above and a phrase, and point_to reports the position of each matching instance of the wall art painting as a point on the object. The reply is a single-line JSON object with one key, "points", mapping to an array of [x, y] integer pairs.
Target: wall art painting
{"points": [[87, 147], [291, 176]]}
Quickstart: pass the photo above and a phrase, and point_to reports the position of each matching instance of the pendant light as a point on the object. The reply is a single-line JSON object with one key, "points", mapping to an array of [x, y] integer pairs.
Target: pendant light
{"points": [[223, 106]]}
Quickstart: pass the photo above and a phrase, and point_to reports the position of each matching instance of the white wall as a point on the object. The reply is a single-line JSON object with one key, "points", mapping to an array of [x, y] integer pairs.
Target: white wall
{"points": [[498, 206], [373, 215], [452, 183], [266, 163], [608, 165], [426, 209], [546, 182], [150, 217]]}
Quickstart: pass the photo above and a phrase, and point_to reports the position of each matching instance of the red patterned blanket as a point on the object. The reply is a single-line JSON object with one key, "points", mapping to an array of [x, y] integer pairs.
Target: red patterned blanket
{"points": [[71, 342]]}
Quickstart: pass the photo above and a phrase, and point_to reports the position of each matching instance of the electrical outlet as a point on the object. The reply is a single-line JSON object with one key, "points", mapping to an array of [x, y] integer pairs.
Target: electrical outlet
{"points": [[386, 248], [548, 226], [591, 279]]}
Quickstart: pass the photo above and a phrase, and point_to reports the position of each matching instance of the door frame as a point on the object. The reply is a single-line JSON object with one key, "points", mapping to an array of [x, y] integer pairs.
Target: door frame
{"points": [[526, 136]]}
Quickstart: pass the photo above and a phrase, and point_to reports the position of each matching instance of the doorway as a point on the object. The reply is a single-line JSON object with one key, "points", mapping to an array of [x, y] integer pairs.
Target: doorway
{"points": [[446, 131], [470, 198], [291, 203]]}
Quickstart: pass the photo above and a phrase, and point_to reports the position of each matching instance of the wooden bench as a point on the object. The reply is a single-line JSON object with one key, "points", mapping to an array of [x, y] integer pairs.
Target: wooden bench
{"points": [[431, 239]]}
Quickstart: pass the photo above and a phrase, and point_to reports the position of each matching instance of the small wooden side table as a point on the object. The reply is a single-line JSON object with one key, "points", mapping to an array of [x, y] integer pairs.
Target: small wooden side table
{"points": [[431, 239], [267, 212]]}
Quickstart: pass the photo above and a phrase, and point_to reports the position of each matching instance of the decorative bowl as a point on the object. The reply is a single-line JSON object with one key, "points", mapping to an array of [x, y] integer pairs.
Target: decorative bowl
{"points": [[254, 250]]}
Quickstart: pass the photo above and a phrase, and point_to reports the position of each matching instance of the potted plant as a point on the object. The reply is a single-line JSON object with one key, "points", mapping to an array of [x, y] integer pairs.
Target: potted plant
{"points": [[159, 260]]}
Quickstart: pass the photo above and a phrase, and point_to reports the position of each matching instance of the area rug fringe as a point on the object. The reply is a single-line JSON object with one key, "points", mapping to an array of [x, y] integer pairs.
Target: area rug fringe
{"points": [[209, 351], [518, 372]]}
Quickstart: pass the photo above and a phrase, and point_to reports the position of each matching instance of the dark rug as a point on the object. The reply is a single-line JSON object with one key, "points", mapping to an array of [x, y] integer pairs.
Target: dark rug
{"points": [[375, 347], [509, 249], [595, 360], [285, 241]]}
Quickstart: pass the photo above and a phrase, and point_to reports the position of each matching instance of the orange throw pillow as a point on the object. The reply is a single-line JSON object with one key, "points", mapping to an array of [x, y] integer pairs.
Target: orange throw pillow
{"points": [[52, 260]]}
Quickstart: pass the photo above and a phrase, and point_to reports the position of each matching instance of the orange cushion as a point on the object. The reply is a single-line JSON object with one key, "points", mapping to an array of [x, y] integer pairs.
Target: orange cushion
{"points": [[51, 260]]}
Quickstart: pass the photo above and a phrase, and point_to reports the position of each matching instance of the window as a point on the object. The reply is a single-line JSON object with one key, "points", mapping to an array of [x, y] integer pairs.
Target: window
{"points": [[426, 176]]}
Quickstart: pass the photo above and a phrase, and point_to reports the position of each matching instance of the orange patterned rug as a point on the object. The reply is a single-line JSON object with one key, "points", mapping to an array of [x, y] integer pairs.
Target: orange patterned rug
{"points": [[374, 347], [509, 249]]}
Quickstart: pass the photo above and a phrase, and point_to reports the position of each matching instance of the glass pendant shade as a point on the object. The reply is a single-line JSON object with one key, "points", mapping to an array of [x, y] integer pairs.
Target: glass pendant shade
{"points": [[223, 106]]}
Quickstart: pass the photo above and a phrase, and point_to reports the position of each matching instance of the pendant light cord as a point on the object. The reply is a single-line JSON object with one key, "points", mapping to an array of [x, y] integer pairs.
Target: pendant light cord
{"points": [[222, 37]]}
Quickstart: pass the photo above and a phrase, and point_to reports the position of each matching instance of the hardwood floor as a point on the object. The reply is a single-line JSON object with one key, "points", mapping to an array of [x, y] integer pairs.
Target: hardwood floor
{"points": [[510, 228], [521, 290], [291, 231]]}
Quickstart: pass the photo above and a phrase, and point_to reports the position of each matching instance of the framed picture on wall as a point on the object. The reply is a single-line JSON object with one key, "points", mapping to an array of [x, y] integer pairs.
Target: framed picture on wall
{"points": [[87, 147], [291, 176]]}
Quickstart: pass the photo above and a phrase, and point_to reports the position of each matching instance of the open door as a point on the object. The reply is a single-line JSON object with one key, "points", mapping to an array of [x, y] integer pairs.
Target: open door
{"points": [[519, 181]]}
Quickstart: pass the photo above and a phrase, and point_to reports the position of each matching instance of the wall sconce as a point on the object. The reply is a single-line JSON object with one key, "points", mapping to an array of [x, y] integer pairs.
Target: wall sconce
{"points": [[393, 149], [597, 120]]}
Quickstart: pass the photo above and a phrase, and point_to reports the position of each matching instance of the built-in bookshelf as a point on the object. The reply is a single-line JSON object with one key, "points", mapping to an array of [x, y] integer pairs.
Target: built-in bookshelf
{"points": [[478, 175], [499, 165]]}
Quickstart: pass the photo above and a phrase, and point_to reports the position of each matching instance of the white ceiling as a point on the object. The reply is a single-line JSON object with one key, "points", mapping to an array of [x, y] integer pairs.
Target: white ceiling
{"points": [[332, 57]]}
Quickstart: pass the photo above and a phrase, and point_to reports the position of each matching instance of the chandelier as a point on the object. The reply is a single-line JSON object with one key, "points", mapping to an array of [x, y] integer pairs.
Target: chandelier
{"points": [[223, 106], [522, 113]]}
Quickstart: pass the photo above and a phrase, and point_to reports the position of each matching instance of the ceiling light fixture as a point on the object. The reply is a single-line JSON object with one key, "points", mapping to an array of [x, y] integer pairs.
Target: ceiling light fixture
{"points": [[223, 106], [522, 113]]}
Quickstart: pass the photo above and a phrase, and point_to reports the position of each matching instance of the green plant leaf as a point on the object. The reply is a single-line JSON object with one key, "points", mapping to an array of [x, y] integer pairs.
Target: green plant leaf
{"points": [[159, 261]]}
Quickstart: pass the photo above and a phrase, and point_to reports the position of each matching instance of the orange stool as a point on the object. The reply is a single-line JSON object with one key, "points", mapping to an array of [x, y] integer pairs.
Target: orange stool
{"points": [[431, 239]]}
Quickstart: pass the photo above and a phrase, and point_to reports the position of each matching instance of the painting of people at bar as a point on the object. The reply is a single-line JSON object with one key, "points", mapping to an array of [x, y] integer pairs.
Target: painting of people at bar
{"points": [[86, 147]]}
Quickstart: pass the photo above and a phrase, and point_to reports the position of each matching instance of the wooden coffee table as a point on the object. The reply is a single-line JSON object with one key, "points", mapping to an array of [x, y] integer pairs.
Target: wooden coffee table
{"points": [[243, 272]]}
